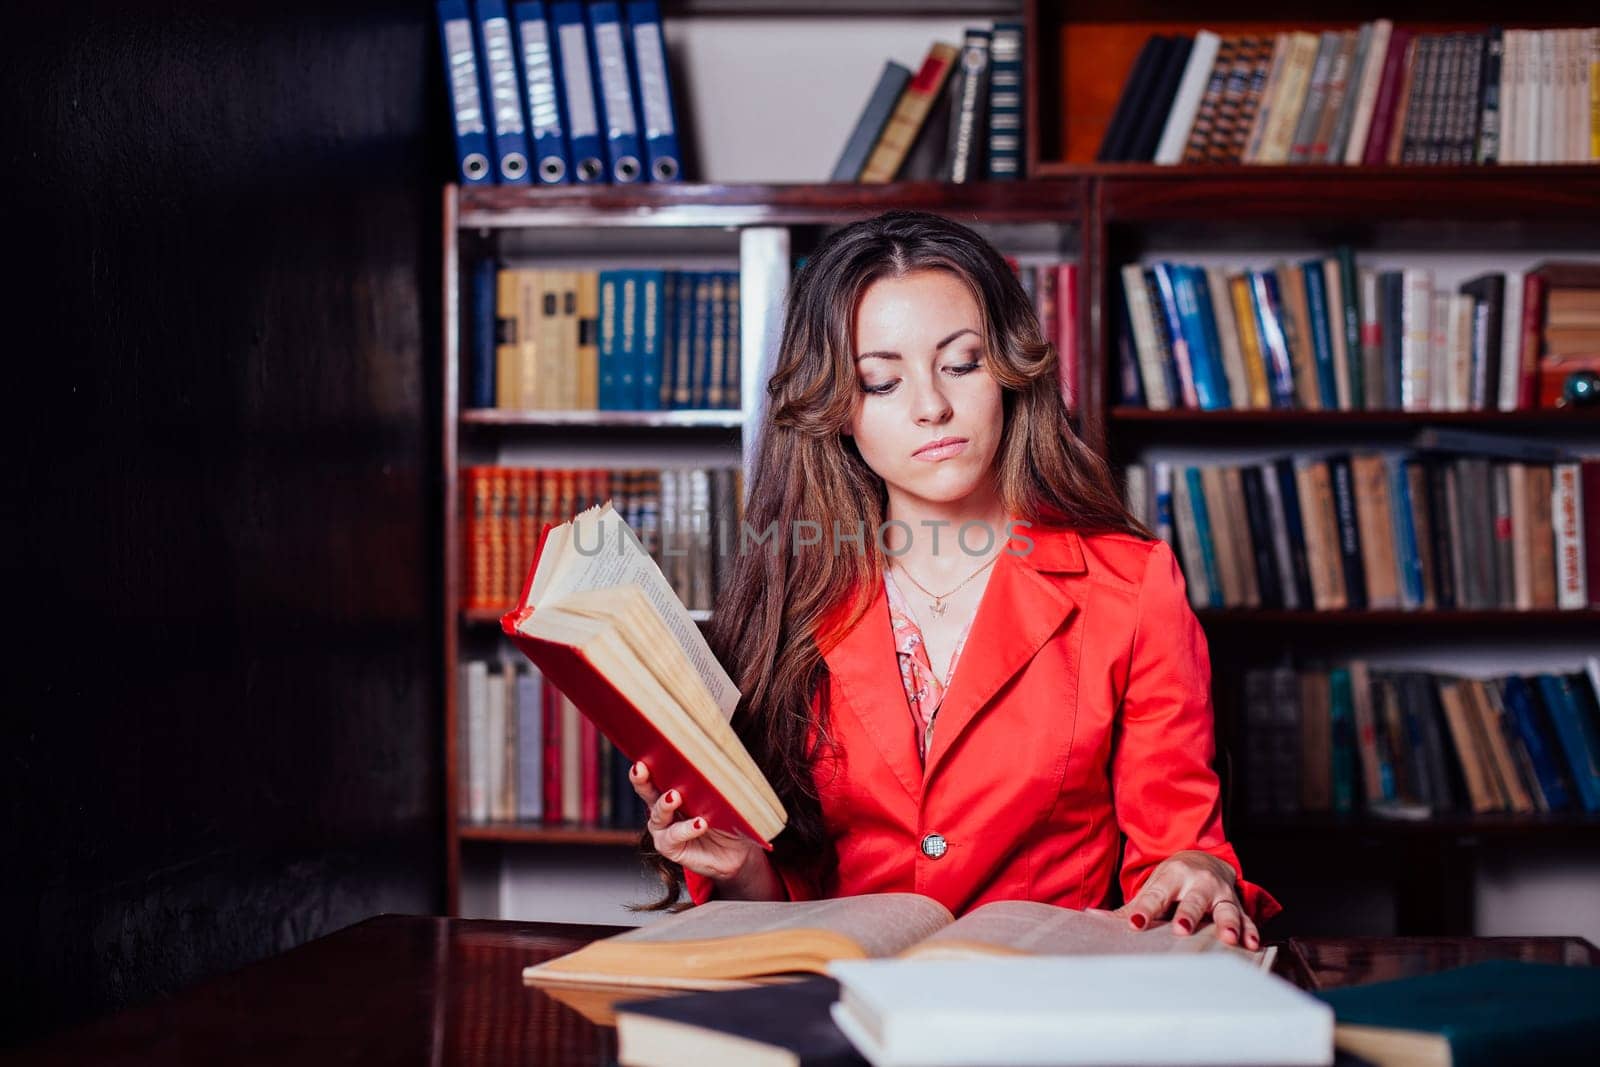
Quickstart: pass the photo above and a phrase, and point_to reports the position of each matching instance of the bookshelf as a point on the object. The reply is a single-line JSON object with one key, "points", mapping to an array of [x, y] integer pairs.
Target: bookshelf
{"points": [[1103, 216]]}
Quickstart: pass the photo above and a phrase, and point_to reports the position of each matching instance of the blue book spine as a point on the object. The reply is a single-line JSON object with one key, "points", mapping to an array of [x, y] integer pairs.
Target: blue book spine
{"points": [[507, 124], [1163, 525], [1182, 354], [615, 82], [582, 115], [651, 332], [730, 347], [481, 388], [1343, 743], [1005, 102], [1208, 326], [1268, 308], [1201, 360], [1405, 532], [465, 85], [629, 321], [1289, 493], [530, 747], [1202, 522], [1391, 291], [610, 347], [541, 84], [700, 351], [677, 387], [1537, 741], [664, 161], [1577, 738], [1321, 339]]}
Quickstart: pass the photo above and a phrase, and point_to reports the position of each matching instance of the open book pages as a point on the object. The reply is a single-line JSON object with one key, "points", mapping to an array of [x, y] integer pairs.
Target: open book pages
{"points": [[599, 550], [730, 943]]}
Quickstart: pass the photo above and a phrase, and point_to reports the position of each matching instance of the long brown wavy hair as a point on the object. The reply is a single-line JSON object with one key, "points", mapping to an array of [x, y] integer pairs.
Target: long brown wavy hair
{"points": [[765, 627]]}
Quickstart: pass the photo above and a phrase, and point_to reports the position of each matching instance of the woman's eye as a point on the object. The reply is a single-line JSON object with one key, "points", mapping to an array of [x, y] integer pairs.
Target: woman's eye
{"points": [[877, 390], [964, 368]]}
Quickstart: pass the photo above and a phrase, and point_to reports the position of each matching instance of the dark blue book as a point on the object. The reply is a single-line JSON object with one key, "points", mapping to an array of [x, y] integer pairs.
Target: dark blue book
{"points": [[485, 276], [1344, 509], [1578, 733], [1202, 522], [1289, 491], [651, 332], [1208, 328], [1268, 304], [1534, 729], [1342, 721], [1391, 293], [1493, 1013], [1205, 364], [1319, 313]]}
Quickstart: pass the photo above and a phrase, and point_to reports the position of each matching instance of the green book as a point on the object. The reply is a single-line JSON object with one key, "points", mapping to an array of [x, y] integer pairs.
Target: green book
{"points": [[1499, 1012]]}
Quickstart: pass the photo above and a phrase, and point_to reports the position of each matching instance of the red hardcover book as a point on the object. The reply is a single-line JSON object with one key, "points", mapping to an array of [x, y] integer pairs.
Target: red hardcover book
{"points": [[589, 782], [1533, 290], [632, 730], [1067, 331], [1394, 69]]}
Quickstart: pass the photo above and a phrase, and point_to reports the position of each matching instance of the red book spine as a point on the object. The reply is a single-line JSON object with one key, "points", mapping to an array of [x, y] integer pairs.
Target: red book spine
{"points": [[1067, 331], [1394, 68], [550, 702], [1589, 489], [589, 755], [1533, 290]]}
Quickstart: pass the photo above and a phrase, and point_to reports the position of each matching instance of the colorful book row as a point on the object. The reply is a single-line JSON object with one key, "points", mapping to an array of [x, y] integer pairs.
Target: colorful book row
{"points": [[559, 93], [527, 754], [1322, 334], [1410, 744], [1443, 528], [1379, 94], [606, 340], [684, 517], [959, 119]]}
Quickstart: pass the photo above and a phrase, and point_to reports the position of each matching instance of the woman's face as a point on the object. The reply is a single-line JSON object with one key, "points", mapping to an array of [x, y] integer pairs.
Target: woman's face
{"points": [[923, 376]]}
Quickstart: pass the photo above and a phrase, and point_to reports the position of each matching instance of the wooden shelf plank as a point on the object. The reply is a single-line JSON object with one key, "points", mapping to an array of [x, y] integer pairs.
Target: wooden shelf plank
{"points": [[540, 834], [1550, 823], [710, 419], [693, 204], [1144, 419], [1247, 617]]}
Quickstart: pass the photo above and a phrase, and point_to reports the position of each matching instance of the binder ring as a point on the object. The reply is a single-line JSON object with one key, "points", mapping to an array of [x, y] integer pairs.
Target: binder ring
{"points": [[513, 165], [476, 166], [627, 169], [553, 170], [664, 170], [589, 170]]}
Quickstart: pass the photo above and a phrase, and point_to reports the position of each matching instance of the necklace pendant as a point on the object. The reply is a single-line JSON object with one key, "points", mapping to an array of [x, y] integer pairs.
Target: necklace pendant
{"points": [[938, 607]]}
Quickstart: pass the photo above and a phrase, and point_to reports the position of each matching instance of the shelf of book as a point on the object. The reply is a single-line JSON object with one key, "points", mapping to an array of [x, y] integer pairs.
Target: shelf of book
{"points": [[542, 834], [604, 420], [1142, 419], [1490, 824]]}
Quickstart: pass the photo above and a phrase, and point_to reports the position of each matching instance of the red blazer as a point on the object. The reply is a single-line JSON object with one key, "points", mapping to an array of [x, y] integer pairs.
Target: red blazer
{"points": [[1080, 712]]}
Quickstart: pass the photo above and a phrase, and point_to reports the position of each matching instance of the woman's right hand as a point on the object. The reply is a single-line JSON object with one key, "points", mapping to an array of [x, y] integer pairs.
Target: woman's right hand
{"points": [[691, 843]]}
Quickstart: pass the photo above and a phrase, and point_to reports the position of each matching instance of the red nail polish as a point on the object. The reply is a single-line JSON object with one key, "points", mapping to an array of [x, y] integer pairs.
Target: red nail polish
{"points": [[1184, 925], [1139, 921], [672, 797], [699, 824]]}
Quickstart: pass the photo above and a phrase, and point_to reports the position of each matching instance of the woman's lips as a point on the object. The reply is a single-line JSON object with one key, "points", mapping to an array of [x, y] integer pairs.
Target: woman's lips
{"points": [[944, 448]]}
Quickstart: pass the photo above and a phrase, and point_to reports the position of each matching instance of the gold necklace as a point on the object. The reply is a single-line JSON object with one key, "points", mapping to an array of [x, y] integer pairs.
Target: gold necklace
{"points": [[938, 605]]}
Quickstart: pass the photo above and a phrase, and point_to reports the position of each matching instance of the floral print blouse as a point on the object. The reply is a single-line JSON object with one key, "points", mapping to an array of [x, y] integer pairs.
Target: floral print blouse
{"points": [[924, 691]]}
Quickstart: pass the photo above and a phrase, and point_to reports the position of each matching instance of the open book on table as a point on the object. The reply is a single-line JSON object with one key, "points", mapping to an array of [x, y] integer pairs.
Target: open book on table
{"points": [[600, 620], [726, 944]]}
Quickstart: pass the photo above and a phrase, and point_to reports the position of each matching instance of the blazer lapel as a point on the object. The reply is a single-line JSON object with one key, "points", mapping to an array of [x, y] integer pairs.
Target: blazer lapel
{"points": [[865, 666], [1022, 608]]}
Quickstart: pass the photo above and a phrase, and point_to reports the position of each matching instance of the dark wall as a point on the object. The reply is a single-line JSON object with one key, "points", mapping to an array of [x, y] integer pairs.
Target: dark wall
{"points": [[221, 264]]}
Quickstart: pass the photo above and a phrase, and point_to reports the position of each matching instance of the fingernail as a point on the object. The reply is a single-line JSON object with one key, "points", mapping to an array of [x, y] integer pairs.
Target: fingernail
{"points": [[637, 769], [1184, 925], [672, 796], [699, 824], [1139, 921]]}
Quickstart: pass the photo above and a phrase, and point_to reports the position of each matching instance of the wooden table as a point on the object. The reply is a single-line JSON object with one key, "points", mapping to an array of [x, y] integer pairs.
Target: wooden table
{"points": [[402, 989]]}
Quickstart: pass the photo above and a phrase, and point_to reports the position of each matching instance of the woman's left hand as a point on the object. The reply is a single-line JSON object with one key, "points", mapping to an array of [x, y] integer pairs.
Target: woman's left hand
{"points": [[1202, 887]]}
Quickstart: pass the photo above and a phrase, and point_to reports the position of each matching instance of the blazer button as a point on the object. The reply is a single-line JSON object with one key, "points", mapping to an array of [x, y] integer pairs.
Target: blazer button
{"points": [[933, 846]]}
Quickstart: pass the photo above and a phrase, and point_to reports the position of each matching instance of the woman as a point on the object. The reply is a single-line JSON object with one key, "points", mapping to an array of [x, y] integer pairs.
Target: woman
{"points": [[966, 671]]}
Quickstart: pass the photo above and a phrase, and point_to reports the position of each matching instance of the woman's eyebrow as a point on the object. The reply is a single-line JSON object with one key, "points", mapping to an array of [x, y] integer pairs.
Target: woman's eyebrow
{"points": [[896, 355]]}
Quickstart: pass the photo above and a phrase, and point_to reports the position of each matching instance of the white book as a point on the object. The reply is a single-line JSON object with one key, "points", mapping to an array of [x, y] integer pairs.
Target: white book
{"points": [[1510, 56], [1196, 73], [495, 771], [477, 751], [1441, 355], [1152, 361], [1136, 491], [1200, 1009], [1460, 309], [1416, 337], [1371, 75], [1511, 341], [1544, 119], [1566, 518]]}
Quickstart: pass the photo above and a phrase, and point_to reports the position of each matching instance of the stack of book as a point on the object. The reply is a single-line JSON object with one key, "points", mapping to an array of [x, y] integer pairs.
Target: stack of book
{"points": [[1403, 743], [959, 119], [1053, 288], [1325, 334], [687, 519], [527, 755], [1468, 521], [1368, 96], [557, 93], [604, 340]]}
